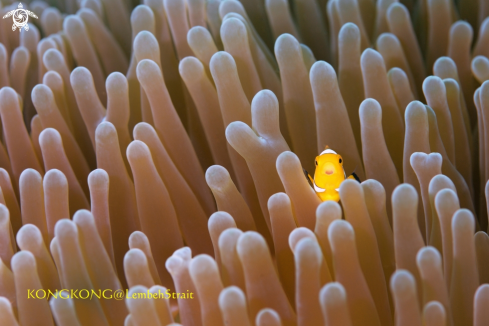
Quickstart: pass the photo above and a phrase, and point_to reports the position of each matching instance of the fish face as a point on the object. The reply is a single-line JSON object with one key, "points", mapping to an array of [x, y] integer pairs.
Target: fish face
{"points": [[329, 171], [328, 168]]}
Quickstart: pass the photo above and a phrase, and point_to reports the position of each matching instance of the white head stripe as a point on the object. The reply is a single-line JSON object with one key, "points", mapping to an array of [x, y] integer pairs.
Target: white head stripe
{"points": [[328, 151]]}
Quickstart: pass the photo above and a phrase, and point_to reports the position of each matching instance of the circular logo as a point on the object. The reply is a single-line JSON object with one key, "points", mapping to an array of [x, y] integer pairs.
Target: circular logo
{"points": [[20, 17]]}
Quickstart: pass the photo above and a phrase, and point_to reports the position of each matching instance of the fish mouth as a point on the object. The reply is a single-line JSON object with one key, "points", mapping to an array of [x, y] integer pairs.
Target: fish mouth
{"points": [[329, 168]]}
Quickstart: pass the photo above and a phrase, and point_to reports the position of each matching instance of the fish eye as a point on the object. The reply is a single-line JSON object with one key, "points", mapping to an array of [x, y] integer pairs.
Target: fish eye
{"points": [[316, 161], [341, 160]]}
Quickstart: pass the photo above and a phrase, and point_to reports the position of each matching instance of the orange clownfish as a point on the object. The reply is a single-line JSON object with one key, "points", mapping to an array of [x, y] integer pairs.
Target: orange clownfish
{"points": [[329, 175]]}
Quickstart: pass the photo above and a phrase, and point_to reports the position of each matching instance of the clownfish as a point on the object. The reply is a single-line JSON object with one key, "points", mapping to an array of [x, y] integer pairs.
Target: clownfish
{"points": [[329, 175]]}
